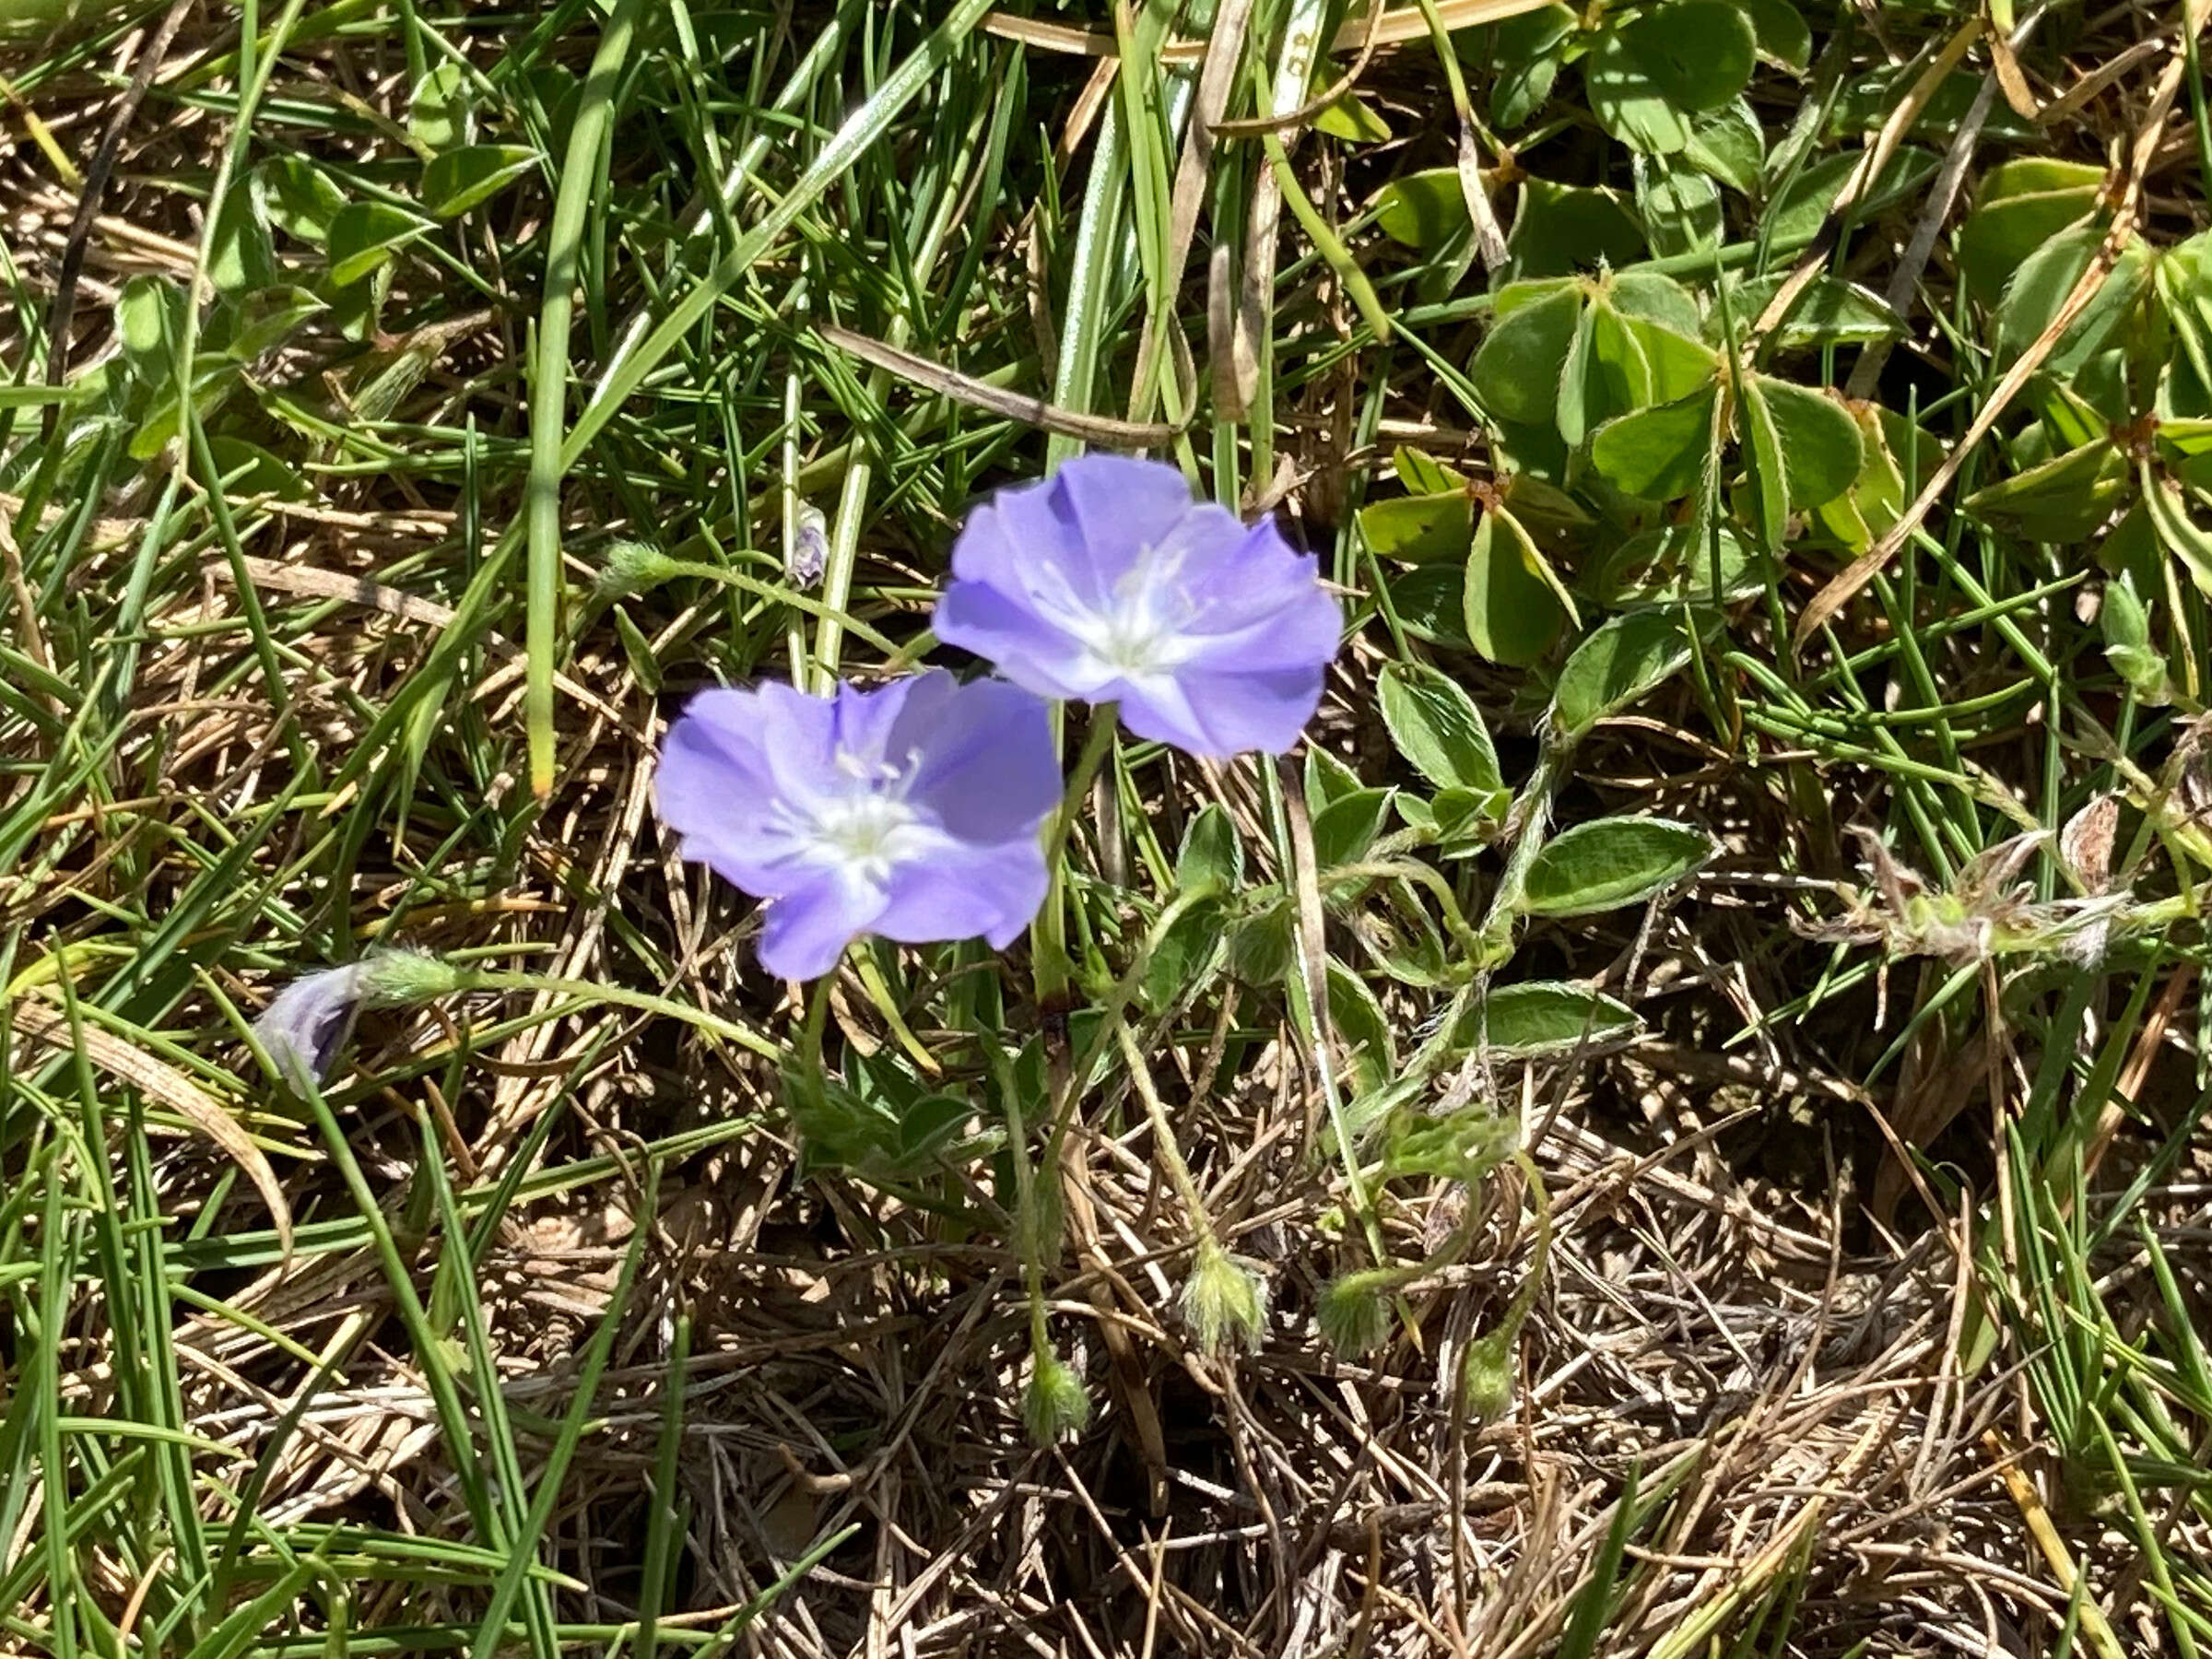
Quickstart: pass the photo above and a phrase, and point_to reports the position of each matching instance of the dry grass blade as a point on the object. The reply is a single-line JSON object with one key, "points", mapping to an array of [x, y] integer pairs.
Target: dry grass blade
{"points": [[1033, 411], [160, 1081]]}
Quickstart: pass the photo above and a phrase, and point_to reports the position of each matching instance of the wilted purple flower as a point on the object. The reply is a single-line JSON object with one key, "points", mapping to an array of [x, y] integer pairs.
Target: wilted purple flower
{"points": [[1108, 583], [307, 1024], [912, 811]]}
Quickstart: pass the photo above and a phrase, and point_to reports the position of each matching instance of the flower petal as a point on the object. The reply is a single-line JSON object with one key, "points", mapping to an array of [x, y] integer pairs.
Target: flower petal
{"points": [[1088, 523], [307, 1022], [718, 788], [985, 768], [1033, 652], [1218, 715], [968, 890], [806, 931]]}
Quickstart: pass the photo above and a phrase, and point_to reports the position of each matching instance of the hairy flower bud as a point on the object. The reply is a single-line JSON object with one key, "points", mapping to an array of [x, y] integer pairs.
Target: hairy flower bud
{"points": [[1486, 1376], [1354, 1313], [633, 568], [1054, 1403], [1224, 1300]]}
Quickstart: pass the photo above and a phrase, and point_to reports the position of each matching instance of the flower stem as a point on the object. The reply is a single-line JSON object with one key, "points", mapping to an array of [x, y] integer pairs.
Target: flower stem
{"points": [[1170, 1155], [1048, 934], [646, 1002]]}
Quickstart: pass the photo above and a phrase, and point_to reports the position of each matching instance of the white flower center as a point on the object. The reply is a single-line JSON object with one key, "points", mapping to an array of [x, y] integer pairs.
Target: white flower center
{"points": [[866, 834], [1142, 628]]}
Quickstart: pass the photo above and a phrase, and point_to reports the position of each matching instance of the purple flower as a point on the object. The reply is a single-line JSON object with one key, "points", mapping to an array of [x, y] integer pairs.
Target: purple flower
{"points": [[1108, 583], [912, 811]]}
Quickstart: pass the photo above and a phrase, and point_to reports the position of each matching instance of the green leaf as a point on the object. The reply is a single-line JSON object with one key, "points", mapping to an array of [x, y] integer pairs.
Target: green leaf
{"points": [[2168, 501], [1667, 564], [298, 197], [1437, 727], [1362, 1027], [1766, 467], [1608, 862], [2038, 288], [1524, 61], [1876, 499], [1624, 659], [1423, 473], [239, 255], [249, 470], [1821, 446], [1649, 297], [1518, 369], [1659, 454], [1681, 364], [2064, 499], [1345, 830], [1327, 779], [2127, 644], [1259, 945], [150, 318], [1514, 612], [1680, 207], [1781, 31], [1186, 956], [1698, 54], [265, 319], [1729, 144], [1629, 103], [1430, 602], [1829, 311], [1423, 210], [1561, 229], [363, 238], [1802, 207], [1419, 529], [1460, 1146], [461, 179], [439, 113], [1542, 1017], [1211, 858], [2020, 206], [1352, 120]]}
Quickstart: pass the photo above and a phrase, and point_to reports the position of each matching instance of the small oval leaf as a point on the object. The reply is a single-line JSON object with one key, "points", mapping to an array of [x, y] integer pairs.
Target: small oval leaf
{"points": [[1542, 1017], [1607, 863], [1622, 660], [1438, 728]]}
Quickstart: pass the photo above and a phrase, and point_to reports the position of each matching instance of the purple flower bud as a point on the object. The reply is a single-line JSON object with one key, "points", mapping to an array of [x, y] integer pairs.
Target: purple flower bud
{"points": [[309, 1021], [808, 554], [911, 812], [1109, 583]]}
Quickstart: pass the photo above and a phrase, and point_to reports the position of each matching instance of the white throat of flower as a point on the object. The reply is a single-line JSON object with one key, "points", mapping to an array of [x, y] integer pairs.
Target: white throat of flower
{"points": [[867, 829], [1143, 629]]}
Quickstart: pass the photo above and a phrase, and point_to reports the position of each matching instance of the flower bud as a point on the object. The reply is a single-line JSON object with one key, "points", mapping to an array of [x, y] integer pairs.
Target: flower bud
{"points": [[1224, 1300], [393, 979], [1486, 1376], [1354, 1313], [808, 554], [632, 567], [1054, 1403]]}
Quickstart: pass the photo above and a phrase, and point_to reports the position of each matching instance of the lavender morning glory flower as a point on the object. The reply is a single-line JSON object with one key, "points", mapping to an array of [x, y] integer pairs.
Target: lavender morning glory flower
{"points": [[1108, 583], [912, 811]]}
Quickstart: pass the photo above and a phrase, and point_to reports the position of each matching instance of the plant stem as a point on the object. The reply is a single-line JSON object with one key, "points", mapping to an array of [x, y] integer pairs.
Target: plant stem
{"points": [[1048, 934]]}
